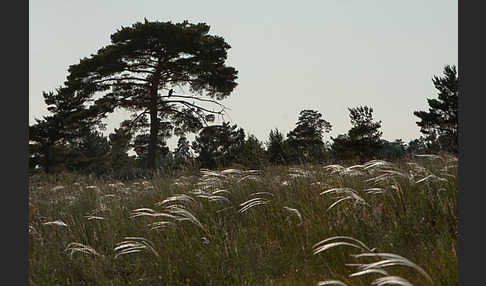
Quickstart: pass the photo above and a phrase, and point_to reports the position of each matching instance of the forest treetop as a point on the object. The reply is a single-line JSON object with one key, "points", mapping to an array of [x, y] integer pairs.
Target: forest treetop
{"points": [[172, 77]]}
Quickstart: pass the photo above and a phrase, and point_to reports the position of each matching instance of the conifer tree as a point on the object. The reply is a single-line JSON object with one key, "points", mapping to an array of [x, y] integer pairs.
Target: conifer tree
{"points": [[143, 65], [440, 124]]}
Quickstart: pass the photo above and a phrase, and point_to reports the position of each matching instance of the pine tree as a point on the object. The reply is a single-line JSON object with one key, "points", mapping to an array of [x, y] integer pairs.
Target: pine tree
{"points": [[218, 145], [143, 65], [277, 149], [439, 125], [363, 140], [182, 153], [306, 138]]}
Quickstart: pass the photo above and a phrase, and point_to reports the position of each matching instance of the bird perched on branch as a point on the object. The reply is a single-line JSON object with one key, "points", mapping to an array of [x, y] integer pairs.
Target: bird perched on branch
{"points": [[170, 92]]}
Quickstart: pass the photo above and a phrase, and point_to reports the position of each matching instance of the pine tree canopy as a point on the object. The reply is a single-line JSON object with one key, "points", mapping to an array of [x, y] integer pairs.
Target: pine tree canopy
{"points": [[439, 125], [147, 60]]}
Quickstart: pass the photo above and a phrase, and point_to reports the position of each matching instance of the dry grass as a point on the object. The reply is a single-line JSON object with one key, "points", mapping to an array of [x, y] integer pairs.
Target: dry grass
{"points": [[256, 227]]}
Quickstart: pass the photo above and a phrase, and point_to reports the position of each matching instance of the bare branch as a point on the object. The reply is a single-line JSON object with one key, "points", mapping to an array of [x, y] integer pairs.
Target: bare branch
{"points": [[121, 78], [141, 64], [196, 98], [139, 71], [136, 119], [198, 115], [130, 83], [196, 106]]}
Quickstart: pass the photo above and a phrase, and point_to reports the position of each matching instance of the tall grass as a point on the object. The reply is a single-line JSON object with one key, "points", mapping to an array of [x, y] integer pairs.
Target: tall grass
{"points": [[235, 227]]}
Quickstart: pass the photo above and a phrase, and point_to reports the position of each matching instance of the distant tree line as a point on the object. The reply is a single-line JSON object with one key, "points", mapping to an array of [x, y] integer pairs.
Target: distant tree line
{"points": [[148, 59]]}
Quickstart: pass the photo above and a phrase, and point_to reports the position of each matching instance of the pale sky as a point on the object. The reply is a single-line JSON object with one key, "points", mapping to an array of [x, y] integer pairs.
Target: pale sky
{"points": [[290, 55]]}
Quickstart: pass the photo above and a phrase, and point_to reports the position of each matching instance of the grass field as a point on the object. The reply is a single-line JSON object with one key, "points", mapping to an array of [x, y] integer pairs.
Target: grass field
{"points": [[379, 223]]}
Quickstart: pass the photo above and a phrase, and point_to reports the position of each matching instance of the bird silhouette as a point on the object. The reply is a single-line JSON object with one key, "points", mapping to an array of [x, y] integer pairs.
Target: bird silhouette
{"points": [[170, 92]]}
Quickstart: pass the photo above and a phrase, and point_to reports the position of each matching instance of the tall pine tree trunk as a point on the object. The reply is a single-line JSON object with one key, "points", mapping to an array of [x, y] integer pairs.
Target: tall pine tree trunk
{"points": [[154, 123], [154, 130]]}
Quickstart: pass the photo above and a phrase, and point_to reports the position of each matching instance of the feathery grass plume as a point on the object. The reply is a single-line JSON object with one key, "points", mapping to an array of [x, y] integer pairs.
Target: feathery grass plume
{"points": [[338, 201], [248, 177], [210, 183], [178, 183], [115, 185], [262, 193], [181, 214], [429, 156], [81, 248], [251, 203], [149, 212], [390, 259], [295, 212], [343, 171], [376, 164], [352, 173], [327, 244], [253, 172], [299, 173], [160, 224], [142, 211], [93, 187], [391, 280], [387, 174], [231, 172], [334, 168], [176, 198], [91, 217], [378, 179], [337, 191], [374, 191], [331, 282], [350, 168], [218, 192], [214, 198], [209, 173], [395, 172], [346, 194], [98, 210], [145, 183], [387, 259], [56, 222], [57, 188], [417, 168], [430, 178], [109, 196], [367, 271], [133, 245], [199, 192]]}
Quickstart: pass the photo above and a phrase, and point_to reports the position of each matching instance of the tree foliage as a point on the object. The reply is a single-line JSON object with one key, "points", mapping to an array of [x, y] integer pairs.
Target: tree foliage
{"points": [[218, 145], [306, 138], [393, 150], [143, 65], [423, 145], [46, 146], [182, 154], [53, 140], [439, 125], [120, 144], [252, 153], [277, 148], [363, 140]]}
